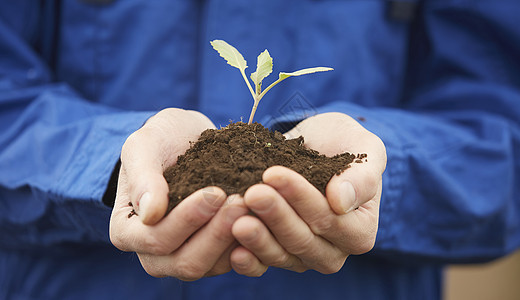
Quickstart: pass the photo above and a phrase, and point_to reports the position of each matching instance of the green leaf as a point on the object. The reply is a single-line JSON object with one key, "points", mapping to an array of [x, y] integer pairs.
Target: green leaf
{"points": [[284, 75], [264, 67], [230, 54], [234, 58]]}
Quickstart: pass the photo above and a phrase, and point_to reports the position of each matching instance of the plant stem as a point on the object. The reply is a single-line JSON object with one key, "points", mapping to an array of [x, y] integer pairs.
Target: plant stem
{"points": [[253, 110], [270, 87], [258, 96], [248, 84]]}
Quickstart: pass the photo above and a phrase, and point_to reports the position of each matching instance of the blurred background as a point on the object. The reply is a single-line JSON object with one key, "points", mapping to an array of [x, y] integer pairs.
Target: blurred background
{"points": [[498, 280]]}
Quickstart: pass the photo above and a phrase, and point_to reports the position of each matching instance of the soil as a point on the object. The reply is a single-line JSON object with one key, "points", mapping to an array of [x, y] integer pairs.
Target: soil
{"points": [[234, 158]]}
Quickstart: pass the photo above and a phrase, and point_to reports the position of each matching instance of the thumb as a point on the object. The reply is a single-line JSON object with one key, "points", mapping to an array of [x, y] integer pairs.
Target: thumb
{"points": [[153, 200], [142, 175], [148, 151], [352, 188]]}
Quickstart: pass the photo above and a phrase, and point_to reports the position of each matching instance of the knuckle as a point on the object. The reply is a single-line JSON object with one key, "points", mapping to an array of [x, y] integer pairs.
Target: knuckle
{"points": [[218, 271], [117, 242], [195, 113], [321, 225], [364, 246], [187, 271], [131, 140], [281, 261], [301, 246], [117, 237], [202, 118], [258, 273], [149, 266], [124, 155], [168, 111], [152, 271], [195, 216], [299, 268], [164, 113], [251, 271], [380, 152], [372, 180], [332, 267], [154, 246], [369, 186], [382, 148], [191, 218], [130, 144]]}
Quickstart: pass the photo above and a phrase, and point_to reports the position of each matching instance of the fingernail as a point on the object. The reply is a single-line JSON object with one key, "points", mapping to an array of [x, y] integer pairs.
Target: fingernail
{"points": [[144, 204], [347, 197], [212, 201], [235, 212]]}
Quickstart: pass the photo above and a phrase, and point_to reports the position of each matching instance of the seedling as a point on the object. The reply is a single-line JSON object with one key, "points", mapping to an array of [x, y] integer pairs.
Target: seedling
{"points": [[264, 67]]}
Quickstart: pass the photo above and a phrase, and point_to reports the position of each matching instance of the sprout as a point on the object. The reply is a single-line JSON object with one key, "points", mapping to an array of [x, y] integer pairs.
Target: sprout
{"points": [[264, 67]]}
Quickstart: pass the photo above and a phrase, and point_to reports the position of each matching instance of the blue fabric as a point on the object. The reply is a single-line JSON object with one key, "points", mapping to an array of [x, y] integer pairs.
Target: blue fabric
{"points": [[442, 91]]}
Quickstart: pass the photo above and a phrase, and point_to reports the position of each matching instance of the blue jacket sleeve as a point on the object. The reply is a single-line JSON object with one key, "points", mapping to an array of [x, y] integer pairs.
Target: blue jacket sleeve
{"points": [[451, 184], [57, 151]]}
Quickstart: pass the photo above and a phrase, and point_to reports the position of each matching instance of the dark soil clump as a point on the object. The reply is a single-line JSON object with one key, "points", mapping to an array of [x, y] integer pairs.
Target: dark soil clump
{"points": [[235, 157]]}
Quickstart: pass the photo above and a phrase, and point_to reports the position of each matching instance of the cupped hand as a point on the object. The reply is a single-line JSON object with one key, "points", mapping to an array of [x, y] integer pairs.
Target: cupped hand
{"points": [[295, 227], [194, 239]]}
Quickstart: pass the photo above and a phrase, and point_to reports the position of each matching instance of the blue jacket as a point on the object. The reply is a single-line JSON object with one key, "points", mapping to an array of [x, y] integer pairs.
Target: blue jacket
{"points": [[438, 81]]}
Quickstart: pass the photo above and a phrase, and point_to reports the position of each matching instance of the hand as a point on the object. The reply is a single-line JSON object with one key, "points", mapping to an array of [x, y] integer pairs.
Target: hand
{"points": [[296, 227], [194, 239]]}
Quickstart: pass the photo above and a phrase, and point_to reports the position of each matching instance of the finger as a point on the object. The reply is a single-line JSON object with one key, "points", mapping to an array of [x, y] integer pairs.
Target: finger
{"points": [[201, 252], [142, 168], [304, 198], [130, 234], [244, 262], [353, 187], [338, 127], [253, 235], [223, 264], [146, 190], [290, 230], [346, 135], [356, 231], [355, 195], [150, 150], [353, 234]]}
